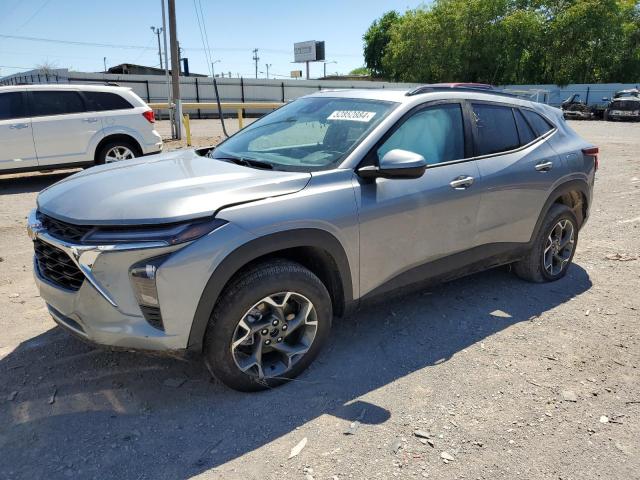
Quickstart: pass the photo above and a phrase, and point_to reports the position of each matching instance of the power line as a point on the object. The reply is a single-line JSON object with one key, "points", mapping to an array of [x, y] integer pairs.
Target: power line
{"points": [[206, 53], [206, 35], [20, 68], [140, 47], [33, 16]]}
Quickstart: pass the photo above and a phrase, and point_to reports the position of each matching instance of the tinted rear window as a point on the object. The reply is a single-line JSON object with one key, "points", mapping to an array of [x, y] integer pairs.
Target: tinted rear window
{"points": [[56, 103], [540, 125], [12, 106], [496, 129], [526, 134], [101, 101]]}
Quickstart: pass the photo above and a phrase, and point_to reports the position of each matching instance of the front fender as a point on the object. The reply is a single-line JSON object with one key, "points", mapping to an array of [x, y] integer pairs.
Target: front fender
{"points": [[241, 256]]}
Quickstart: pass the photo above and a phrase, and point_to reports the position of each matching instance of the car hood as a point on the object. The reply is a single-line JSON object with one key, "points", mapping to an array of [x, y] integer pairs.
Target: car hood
{"points": [[162, 188]]}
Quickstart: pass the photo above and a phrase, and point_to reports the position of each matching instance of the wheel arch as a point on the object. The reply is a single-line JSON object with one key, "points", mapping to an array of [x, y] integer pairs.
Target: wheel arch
{"points": [[315, 249], [114, 137], [575, 194]]}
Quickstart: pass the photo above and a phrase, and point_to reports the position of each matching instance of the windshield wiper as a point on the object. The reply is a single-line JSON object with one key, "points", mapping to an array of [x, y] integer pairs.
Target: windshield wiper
{"points": [[247, 162]]}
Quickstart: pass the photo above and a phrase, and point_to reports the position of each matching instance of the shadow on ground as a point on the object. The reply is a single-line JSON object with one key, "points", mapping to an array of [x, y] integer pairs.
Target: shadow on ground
{"points": [[120, 415], [29, 183]]}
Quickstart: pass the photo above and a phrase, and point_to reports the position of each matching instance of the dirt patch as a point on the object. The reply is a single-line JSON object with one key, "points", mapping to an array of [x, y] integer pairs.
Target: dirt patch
{"points": [[434, 385]]}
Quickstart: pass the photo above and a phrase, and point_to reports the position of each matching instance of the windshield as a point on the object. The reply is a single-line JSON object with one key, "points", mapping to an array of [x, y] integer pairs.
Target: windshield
{"points": [[308, 134]]}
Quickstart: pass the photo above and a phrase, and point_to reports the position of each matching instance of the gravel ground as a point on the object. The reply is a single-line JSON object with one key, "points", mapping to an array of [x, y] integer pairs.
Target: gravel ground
{"points": [[486, 377]]}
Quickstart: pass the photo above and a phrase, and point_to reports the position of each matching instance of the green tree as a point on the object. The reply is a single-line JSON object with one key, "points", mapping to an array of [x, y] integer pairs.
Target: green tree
{"points": [[360, 71], [510, 42], [376, 40]]}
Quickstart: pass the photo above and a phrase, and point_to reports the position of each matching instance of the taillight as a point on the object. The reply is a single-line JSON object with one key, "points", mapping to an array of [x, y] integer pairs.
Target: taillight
{"points": [[150, 116], [592, 152]]}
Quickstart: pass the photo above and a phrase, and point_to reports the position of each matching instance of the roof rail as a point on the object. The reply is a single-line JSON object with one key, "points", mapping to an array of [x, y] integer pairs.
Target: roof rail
{"points": [[459, 87]]}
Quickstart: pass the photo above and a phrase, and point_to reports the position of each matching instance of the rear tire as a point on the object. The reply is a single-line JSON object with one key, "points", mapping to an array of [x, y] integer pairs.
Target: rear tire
{"points": [[268, 312], [117, 150], [553, 248]]}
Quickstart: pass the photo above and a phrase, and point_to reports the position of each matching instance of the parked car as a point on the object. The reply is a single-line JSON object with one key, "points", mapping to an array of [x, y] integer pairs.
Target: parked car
{"points": [[624, 106], [51, 126], [575, 109], [246, 251]]}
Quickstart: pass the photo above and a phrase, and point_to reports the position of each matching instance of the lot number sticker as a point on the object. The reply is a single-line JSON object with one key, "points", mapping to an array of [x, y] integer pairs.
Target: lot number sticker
{"points": [[351, 115]]}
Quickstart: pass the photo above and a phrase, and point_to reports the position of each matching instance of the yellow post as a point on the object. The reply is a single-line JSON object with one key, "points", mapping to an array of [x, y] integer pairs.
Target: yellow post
{"points": [[240, 122], [187, 127]]}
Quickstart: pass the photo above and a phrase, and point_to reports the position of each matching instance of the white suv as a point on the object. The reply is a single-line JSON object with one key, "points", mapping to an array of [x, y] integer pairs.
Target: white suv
{"points": [[52, 126]]}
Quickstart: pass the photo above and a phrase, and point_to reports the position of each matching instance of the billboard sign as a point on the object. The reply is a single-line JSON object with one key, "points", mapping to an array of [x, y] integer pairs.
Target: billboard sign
{"points": [[310, 51]]}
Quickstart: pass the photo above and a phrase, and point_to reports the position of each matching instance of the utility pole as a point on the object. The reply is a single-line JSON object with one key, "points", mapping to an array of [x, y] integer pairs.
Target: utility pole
{"points": [[268, 65], [213, 71], [175, 68], [256, 58], [104, 61], [325, 67], [158, 31], [166, 71]]}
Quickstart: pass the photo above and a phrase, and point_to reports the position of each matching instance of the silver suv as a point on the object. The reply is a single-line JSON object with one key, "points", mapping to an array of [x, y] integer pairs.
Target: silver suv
{"points": [[247, 251]]}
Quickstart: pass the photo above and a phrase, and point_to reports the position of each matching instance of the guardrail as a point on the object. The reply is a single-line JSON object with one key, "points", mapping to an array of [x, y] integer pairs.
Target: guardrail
{"points": [[239, 106]]}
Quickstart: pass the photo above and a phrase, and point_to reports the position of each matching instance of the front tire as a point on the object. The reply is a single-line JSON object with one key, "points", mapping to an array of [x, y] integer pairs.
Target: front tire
{"points": [[268, 326], [553, 249]]}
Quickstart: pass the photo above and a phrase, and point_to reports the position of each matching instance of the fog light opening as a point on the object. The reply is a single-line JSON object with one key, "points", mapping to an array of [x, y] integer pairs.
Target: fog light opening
{"points": [[143, 280]]}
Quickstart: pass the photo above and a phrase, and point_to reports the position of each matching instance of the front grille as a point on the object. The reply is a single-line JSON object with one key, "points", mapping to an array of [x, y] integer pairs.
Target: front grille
{"points": [[63, 230], [625, 105], [56, 266]]}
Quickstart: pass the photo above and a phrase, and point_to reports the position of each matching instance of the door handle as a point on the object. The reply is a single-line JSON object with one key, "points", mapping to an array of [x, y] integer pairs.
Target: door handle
{"points": [[19, 126], [544, 166], [90, 120], [462, 182]]}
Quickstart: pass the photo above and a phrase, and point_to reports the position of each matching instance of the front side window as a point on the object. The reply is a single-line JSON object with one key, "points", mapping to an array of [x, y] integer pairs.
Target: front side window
{"points": [[308, 134], [436, 133], [56, 102], [12, 106], [496, 129], [102, 101]]}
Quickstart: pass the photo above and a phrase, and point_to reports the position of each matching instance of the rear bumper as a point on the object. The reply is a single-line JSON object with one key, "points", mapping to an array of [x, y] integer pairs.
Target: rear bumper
{"points": [[154, 144]]}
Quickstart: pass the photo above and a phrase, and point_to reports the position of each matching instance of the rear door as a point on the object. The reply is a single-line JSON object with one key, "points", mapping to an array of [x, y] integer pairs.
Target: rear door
{"points": [[518, 169], [407, 223], [16, 138], [62, 128], [110, 108]]}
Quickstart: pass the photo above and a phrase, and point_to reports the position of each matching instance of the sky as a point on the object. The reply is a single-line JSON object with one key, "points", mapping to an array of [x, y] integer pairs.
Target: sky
{"points": [[234, 29]]}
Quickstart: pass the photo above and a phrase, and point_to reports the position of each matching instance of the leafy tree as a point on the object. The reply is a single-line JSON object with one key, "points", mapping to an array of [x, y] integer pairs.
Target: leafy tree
{"points": [[510, 41], [359, 71], [376, 40]]}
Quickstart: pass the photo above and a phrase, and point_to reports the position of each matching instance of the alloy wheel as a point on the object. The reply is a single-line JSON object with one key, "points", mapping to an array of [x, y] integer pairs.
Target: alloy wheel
{"points": [[274, 335], [118, 153], [558, 247]]}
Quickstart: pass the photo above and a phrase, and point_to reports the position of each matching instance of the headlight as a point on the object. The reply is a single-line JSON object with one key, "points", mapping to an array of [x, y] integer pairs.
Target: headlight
{"points": [[171, 234]]}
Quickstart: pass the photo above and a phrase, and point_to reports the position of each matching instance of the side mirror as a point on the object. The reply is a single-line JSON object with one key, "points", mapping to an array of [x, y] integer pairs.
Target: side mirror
{"points": [[396, 164]]}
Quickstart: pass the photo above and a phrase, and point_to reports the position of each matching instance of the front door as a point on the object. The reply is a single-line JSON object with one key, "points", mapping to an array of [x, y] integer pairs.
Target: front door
{"points": [[407, 223], [16, 138]]}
